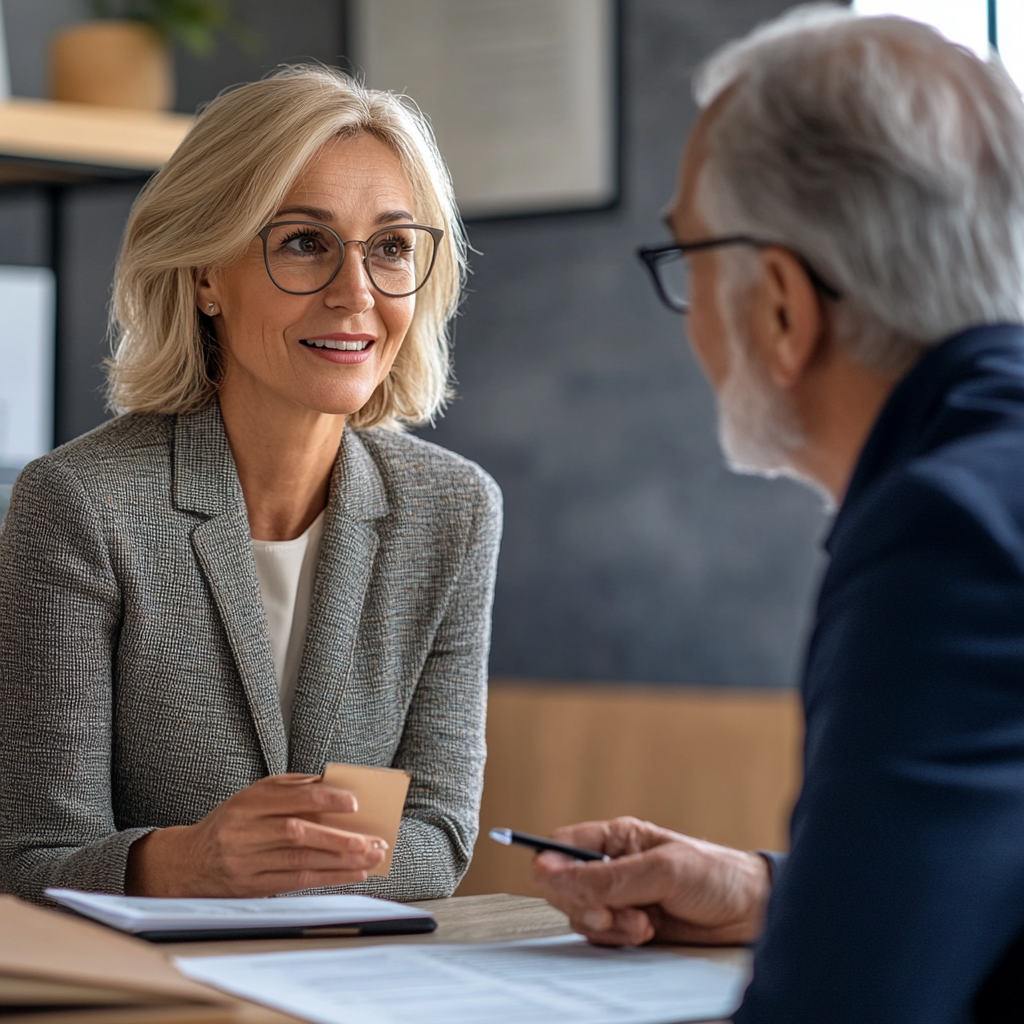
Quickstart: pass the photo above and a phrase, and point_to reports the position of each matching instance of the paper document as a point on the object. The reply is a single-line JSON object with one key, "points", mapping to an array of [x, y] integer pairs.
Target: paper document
{"points": [[546, 981], [143, 914]]}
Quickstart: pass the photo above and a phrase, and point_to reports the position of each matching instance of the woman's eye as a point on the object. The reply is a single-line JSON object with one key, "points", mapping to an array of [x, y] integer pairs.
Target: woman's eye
{"points": [[303, 245], [393, 248]]}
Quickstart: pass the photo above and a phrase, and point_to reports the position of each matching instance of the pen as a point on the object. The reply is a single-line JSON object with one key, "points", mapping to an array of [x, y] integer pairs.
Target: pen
{"points": [[507, 837]]}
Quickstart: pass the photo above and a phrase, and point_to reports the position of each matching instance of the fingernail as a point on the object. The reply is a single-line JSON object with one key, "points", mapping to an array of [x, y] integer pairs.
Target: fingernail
{"points": [[596, 918], [378, 844]]}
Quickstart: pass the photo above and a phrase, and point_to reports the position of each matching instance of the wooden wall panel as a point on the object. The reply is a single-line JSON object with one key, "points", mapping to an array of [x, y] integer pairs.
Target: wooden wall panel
{"points": [[719, 764]]}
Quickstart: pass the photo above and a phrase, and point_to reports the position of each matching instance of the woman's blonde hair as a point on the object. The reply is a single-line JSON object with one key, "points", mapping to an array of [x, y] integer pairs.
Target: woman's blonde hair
{"points": [[222, 185]]}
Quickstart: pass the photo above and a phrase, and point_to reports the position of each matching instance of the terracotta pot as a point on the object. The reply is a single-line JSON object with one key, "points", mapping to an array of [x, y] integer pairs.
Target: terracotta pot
{"points": [[113, 64]]}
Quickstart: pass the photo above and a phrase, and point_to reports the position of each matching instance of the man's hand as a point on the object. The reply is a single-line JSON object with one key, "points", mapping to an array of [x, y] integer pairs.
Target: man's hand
{"points": [[262, 841], [658, 885]]}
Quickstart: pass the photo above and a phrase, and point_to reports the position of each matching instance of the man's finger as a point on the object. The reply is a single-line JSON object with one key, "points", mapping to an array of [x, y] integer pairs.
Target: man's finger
{"points": [[636, 880], [617, 837], [604, 927]]}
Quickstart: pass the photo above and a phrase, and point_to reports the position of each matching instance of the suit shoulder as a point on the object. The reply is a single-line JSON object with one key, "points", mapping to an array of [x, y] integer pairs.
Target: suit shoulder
{"points": [[111, 450], [411, 466]]}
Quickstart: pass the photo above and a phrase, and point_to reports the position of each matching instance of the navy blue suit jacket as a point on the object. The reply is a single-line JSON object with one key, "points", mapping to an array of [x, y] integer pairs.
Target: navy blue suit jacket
{"points": [[902, 900]]}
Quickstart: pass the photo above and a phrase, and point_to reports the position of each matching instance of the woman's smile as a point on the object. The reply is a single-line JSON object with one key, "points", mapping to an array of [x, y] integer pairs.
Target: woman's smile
{"points": [[340, 348]]}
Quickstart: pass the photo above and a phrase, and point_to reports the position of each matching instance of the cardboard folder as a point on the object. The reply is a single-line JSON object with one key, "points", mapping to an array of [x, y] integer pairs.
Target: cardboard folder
{"points": [[58, 969]]}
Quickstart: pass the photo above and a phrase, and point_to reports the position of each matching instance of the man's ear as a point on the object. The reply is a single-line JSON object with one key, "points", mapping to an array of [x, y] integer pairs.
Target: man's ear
{"points": [[788, 322]]}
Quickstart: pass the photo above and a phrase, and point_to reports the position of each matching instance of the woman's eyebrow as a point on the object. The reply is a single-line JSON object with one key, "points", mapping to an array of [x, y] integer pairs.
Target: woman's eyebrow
{"points": [[387, 218], [322, 215], [316, 212]]}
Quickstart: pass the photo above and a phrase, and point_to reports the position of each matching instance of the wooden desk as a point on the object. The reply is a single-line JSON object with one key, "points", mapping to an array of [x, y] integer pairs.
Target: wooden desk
{"points": [[494, 918]]}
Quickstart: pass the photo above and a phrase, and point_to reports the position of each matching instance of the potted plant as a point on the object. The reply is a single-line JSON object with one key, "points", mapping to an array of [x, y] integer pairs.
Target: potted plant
{"points": [[123, 59]]}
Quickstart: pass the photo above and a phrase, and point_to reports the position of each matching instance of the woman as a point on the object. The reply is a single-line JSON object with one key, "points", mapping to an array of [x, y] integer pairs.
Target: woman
{"points": [[253, 571]]}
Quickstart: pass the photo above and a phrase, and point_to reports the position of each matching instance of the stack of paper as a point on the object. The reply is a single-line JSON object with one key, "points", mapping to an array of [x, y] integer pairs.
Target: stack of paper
{"points": [[56, 969], [183, 920], [546, 981]]}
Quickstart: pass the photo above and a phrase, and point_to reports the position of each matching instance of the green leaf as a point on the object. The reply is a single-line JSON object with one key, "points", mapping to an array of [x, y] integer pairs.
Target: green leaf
{"points": [[194, 23]]}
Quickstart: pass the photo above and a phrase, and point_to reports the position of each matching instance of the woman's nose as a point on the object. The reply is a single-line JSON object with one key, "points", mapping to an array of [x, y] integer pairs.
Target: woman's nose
{"points": [[351, 287]]}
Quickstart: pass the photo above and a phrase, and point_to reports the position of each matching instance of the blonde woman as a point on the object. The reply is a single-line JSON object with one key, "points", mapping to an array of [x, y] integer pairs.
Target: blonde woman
{"points": [[252, 570]]}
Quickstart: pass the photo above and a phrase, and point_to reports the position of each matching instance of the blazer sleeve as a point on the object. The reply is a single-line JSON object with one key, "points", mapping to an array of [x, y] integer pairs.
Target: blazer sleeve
{"points": [[60, 609], [905, 884], [443, 744]]}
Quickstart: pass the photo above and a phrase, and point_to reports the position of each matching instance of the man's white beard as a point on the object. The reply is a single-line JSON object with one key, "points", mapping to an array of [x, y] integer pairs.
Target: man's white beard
{"points": [[757, 430]]}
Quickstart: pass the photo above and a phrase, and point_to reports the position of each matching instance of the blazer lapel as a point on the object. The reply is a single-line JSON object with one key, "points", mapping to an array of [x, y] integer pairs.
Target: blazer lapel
{"points": [[206, 481], [344, 571]]}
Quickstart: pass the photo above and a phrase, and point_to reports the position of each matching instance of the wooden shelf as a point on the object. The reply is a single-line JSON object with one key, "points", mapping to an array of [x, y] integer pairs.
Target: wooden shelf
{"points": [[65, 143]]}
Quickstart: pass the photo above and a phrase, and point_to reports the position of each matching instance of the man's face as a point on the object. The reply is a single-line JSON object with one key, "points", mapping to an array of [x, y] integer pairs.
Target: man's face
{"points": [[757, 427], [706, 328]]}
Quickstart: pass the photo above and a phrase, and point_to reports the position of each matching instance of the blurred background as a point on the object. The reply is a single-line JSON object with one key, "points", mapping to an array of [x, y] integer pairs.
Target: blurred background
{"points": [[651, 607]]}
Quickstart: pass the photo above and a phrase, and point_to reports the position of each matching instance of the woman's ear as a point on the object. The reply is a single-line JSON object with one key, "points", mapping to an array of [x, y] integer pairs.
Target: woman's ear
{"points": [[207, 293], [789, 324]]}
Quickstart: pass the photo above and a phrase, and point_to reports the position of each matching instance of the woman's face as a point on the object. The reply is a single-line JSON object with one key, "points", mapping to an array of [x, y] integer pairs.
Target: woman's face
{"points": [[272, 343]]}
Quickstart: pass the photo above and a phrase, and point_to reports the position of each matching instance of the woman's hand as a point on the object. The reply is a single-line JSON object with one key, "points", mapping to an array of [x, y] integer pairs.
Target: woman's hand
{"points": [[259, 842], [658, 884]]}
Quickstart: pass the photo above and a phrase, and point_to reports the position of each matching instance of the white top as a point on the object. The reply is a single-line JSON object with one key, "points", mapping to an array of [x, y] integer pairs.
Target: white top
{"points": [[286, 571]]}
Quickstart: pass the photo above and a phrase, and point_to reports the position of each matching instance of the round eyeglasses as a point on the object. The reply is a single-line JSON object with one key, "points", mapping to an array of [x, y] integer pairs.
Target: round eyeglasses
{"points": [[303, 257], [670, 268]]}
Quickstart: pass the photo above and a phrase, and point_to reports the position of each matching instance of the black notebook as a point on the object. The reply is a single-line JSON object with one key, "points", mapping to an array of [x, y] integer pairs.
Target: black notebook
{"points": [[184, 920]]}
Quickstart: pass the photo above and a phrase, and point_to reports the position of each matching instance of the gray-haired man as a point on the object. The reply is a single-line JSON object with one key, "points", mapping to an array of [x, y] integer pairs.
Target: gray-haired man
{"points": [[849, 246]]}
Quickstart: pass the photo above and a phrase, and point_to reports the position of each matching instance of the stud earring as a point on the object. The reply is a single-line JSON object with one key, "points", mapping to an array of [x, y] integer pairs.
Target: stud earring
{"points": [[211, 307]]}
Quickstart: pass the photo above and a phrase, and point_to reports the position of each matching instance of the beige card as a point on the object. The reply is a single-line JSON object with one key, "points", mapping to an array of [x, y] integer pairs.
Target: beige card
{"points": [[380, 793]]}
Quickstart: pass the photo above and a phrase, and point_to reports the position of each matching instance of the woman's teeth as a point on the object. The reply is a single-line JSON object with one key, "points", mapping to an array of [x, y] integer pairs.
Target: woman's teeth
{"points": [[340, 346]]}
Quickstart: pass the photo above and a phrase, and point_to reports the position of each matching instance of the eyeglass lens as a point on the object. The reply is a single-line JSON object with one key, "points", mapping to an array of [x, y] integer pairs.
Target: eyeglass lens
{"points": [[673, 271], [303, 257]]}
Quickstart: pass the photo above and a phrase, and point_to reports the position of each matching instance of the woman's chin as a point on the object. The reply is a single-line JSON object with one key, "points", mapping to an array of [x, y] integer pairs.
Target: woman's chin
{"points": [[334, 404]]}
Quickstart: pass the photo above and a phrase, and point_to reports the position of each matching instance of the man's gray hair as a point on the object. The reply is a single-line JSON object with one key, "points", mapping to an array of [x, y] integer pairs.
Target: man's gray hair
{"points": [[888, 158]]}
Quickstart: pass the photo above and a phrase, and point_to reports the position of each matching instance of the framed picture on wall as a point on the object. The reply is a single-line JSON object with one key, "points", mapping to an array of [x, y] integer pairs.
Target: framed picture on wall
{"points": [[523, 96]]}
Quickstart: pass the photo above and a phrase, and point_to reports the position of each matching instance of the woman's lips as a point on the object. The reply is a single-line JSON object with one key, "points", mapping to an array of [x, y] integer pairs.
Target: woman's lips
{"points": [[340, 348]]}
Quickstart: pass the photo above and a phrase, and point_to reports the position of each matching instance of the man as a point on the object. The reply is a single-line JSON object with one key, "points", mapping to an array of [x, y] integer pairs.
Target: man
{"points": [[850, 216]]}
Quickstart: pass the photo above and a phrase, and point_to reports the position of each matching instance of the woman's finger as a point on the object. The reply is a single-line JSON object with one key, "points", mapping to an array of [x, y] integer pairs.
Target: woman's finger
{"points": [[293, 794], [305, 858], [272, 883]]}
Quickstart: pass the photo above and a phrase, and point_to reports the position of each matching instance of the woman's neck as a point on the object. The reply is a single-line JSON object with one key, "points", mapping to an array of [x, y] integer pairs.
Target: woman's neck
{"points": [[284, 457]]}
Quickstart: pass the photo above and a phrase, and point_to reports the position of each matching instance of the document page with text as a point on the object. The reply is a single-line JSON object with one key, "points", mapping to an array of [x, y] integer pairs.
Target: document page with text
{"points": [[561, 981]]}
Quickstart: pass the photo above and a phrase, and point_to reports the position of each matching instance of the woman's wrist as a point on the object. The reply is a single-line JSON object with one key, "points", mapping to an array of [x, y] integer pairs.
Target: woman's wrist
{"points": [[155, 863]]}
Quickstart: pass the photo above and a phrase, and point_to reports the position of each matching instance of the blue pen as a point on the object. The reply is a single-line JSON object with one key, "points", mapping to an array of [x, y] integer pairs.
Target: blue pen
{"points": [[507, 837]]}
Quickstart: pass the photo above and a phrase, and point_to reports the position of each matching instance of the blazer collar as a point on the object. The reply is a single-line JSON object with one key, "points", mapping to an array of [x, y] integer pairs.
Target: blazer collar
{"points": [[357, 490], [205, 481], [911, 420], [345, 569], [205, 478]]}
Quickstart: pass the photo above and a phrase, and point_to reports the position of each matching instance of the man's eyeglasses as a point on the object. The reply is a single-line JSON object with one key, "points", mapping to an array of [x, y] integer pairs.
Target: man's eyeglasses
{"points": [[303, 257], [670, 269]]}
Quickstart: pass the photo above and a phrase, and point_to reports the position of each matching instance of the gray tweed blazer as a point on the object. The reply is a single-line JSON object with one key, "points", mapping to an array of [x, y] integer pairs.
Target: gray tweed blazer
{"points": [[137, 685]]}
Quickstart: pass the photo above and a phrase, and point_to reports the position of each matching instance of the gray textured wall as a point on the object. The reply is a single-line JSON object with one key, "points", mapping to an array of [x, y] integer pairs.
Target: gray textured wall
{"points": [[629, 553]]}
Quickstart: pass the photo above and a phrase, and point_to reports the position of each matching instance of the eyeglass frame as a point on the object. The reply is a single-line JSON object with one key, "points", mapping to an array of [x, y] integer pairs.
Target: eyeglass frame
{"points": [[436, 233], [649, 255]]}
